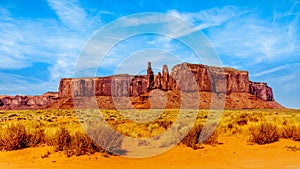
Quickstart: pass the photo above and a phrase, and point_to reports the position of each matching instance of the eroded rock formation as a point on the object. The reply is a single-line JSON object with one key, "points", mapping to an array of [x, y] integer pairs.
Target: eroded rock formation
{"points": [[262, 91], [208, 81], [184, 77], [27, 102]]}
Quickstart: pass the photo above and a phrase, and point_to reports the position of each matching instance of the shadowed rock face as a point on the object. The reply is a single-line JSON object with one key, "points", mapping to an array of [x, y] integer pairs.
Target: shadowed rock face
{"points": [[262, 91], [1, 103], [185, 77]]}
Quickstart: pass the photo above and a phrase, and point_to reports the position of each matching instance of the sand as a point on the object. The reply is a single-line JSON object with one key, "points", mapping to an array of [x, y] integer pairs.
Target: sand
{"points": [[232, 153]]}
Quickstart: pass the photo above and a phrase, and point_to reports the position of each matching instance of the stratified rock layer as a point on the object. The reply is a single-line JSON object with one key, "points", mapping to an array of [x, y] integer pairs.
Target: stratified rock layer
{"points": [[27, 102], [184, 77], [210, 82]]}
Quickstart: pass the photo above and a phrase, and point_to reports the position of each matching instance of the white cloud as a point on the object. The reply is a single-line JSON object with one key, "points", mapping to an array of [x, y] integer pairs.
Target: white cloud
{"points": [[172, 26], [144, 19], [209, 18], [255, 39], [81, 27], [285, 84], [272, 70], [70, 13], [20, 41], [11, 84], [24, 42], [237, 33]]}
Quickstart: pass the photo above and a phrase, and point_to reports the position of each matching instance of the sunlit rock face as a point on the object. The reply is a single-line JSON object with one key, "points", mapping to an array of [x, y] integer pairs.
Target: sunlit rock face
{"points": [[205, 78], [208, 81]]}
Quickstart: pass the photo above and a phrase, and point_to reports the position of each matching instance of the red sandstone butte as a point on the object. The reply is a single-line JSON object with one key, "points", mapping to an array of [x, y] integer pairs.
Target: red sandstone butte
{"points": [[133, 91]]}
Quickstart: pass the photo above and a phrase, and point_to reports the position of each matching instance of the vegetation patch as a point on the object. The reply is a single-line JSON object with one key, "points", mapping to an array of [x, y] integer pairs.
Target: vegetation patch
{"points": [[264, 133], [30, 128]]}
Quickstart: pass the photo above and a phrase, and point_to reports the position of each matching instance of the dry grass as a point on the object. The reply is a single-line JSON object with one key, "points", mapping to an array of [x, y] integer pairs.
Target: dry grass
{"points": [[106, 139], [78, 144], [62, 140], [192, 138], [264, 133], [15, 136], [82, 144], [62, 129], [96, 139], [291, 132]]}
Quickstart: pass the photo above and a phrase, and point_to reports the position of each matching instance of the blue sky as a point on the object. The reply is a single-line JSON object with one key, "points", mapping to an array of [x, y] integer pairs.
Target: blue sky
{"points": [[42, 40]]}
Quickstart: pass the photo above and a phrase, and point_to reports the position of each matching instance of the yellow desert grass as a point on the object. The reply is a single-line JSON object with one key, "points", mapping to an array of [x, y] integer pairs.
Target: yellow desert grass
{"points": [[62, 128]]}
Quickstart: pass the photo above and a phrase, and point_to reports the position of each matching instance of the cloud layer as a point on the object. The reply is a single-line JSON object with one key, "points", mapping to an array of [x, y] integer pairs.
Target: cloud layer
{"points": [[55, 42]]}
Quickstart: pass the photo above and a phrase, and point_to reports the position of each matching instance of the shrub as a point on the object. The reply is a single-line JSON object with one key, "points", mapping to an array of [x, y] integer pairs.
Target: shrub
{"points": [[264, 133], [212, 138], [81, 145], [14, 137], [105, 139], [230, 126], [164, 123], [174, 136], [36, 136], [242, 122], [78, 144], [291, 132], [63, 140], [99, 138], [192, 138]]}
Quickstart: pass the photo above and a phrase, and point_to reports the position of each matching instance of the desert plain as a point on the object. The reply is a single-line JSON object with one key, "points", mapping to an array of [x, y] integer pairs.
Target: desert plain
{"points": [[243, 139]]}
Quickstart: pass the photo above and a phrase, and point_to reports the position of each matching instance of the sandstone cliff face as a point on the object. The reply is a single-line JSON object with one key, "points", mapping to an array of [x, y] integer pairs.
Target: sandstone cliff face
{"points": [[184, 77], [27, 102], [214, 79], [208, 81], [262, 91]]}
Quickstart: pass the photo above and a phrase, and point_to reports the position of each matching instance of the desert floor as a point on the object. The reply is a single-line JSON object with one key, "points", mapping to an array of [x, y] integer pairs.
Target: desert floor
{"points": [[233, 153]]}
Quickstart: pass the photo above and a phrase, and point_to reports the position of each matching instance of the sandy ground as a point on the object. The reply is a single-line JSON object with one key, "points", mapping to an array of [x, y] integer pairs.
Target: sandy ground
{"points": [[231, 154]]}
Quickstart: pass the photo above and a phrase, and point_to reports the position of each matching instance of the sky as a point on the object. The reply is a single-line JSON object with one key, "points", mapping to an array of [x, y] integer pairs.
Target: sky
{"points": [[41, 41]]}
